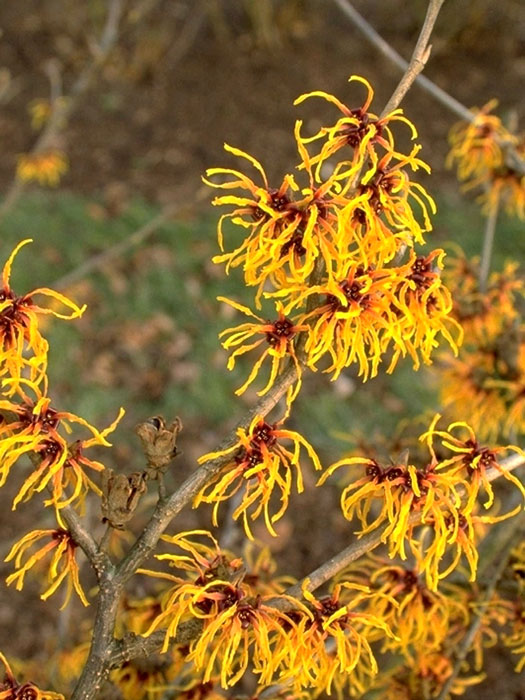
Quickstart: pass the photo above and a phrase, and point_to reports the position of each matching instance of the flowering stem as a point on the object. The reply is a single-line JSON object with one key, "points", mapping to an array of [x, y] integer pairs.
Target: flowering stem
{"points": [[512, 159], [419, 57], [369, 542], [165, 512], [132, 646], [488, 244]]}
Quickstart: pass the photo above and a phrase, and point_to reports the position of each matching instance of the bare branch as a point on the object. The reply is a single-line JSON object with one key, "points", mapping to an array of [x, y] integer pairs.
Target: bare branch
{"points": [[133, 646], [132, 241], [396, 58], [512, 159], [61, 108], [419, 57]]}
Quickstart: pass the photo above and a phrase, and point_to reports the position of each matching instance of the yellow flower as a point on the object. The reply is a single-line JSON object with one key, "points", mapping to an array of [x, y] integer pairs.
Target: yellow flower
{"points": [[285, 235], [474, 145], [484, 316], [46, 168], [515, 640], [508, 187], [470, 459], [259, 465], [32, 428], [19, 324], [389, 191], [357, 130], [348, 327], [424, 309], [278, 336], [450, 537], [234, 624], [11, 689], [62, 567], [390, 495]]}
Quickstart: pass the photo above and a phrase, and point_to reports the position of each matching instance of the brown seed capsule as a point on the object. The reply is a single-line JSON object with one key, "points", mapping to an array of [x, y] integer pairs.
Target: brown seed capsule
{"points": [[159, 443]]}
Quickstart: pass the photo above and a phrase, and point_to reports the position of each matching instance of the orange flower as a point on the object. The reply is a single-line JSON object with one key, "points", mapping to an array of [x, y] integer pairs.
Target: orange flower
{"points": [[475, 145], [421, 616], [234, 622], [357, 130], [422, 677], [33, 429], [470, 459], [63, 565], [425, 307], [357, 312], [11, 689], [399, 491], [479, 149], [259, 465], [278, 336], [485, 317], [469, 381], [335, 620], [19, 324], [46, 168]]}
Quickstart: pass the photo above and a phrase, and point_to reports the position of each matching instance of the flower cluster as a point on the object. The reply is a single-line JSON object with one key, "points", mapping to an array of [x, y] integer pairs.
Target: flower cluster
{"points": [[259, 464], [330, 253], [489, 374], [431, 509], [481, 150], [244, 620], [31, 426], [45, 168]]}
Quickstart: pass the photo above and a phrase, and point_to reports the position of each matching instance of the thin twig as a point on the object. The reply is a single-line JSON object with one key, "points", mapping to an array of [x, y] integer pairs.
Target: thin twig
{"points": [[512, 159], [135, 239], [466, 643], [419, 57], [488, 244], [84, 539], [62, 107], [396, 58]]}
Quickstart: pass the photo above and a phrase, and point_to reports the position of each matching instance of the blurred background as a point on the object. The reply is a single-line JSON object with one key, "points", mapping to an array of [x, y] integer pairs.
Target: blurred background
{"points": [[143, 116]]}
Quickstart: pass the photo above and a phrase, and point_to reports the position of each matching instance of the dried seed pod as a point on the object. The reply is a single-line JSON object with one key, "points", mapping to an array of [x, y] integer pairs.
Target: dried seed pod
{"points": [[120, 496], [159, 443]]}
